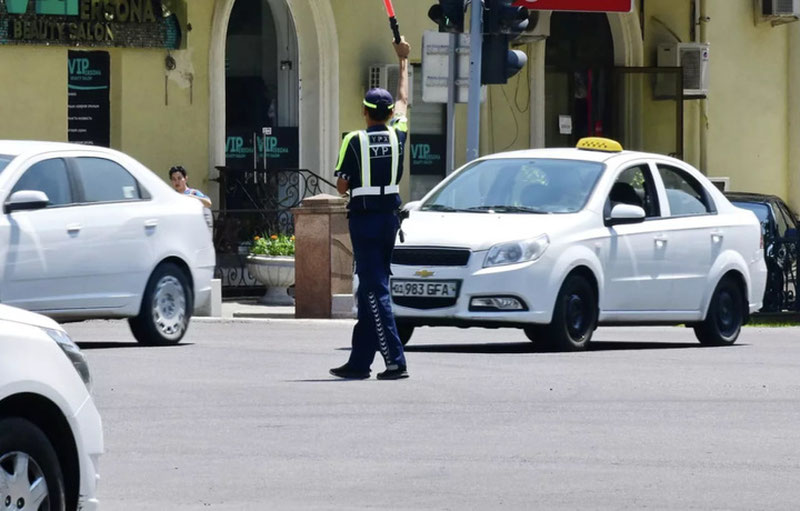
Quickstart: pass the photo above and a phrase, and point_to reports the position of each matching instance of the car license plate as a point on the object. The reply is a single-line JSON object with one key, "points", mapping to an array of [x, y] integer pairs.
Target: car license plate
{"points": [[433, 289]]}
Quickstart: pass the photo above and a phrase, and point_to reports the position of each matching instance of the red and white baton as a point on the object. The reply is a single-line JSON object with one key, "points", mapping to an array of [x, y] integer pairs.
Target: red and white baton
{"points": [[392, 20]]}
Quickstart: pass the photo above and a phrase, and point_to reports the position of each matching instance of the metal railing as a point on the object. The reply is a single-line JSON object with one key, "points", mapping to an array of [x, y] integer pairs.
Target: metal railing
{"points": [[256, 202], [782, 257]]}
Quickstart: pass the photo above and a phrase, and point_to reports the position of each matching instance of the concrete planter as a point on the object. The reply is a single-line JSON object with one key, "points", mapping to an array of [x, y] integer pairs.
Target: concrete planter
{"points": [[275, 272]]}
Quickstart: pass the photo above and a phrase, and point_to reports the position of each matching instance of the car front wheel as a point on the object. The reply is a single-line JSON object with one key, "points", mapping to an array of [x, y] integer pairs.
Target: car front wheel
{"points": [[574, 317], [30, 475], [166, 307], [725, 316]]}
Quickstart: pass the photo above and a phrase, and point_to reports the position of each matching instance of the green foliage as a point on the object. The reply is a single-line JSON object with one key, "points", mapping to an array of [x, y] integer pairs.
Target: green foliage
{"points": [[273, 245]]}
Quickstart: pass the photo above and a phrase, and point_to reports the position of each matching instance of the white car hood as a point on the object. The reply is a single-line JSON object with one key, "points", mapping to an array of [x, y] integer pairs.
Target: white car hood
{"points": [[480, 231], [28, 318]]}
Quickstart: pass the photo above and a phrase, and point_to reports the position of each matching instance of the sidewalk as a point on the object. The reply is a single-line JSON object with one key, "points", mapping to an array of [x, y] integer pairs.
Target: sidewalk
{"points": [[250, 308]]}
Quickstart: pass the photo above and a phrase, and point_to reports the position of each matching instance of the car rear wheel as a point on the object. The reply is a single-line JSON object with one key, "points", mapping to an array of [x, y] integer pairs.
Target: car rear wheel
{"points": [[30, 475], [725, 316], [574, 317], [405, 332], [166, 307]]}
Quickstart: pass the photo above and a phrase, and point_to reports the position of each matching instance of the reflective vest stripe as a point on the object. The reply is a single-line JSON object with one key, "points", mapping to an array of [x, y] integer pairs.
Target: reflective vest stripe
{"points": [[343, 149], [395, 155], [366, 168], [366, 187], [374, 190]]}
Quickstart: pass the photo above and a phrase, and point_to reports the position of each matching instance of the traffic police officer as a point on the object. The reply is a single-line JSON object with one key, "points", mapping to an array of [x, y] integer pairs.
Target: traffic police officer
{"points": [[370, 166]]}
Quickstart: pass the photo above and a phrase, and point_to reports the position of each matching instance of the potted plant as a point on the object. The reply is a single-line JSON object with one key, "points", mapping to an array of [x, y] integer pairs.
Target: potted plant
{"points": [[271, 262]]}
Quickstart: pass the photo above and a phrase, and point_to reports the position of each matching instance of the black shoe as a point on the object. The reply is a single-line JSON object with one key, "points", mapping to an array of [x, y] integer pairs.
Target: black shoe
{"points": [[349, 373], [393, 373]]}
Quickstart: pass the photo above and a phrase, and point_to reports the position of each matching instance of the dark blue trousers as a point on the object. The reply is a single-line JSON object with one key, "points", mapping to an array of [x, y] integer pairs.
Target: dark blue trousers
{"points": [[373, 237]]}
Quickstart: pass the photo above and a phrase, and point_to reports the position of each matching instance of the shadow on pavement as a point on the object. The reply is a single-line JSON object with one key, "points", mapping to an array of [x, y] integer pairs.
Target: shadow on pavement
{"points": [[527, 347], [103, 345]]}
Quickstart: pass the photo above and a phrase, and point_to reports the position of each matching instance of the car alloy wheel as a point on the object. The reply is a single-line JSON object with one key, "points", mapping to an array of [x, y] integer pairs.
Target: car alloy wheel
{"points": [[30, 473], [169, 307], [22, 483], [166, 307]]}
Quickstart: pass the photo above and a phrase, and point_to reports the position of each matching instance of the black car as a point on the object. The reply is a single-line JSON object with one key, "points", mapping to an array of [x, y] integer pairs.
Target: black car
{"points": [[779, 226]]}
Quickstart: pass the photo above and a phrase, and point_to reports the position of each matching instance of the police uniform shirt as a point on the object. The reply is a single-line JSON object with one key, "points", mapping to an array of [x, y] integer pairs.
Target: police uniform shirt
{"points": [[349, 165]]}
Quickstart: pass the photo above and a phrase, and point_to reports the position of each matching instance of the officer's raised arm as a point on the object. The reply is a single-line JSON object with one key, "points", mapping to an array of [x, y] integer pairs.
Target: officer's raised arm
{"points": [[401, 101]]}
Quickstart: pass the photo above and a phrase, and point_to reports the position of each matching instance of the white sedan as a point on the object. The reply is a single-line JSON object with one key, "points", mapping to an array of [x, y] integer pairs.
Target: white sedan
{"points": [[51, 436], [557, 241], [89, 232]]}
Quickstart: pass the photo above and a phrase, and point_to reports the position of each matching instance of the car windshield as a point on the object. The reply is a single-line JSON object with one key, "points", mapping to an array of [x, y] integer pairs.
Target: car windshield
{"points": [[518, 185], [4, 160]]}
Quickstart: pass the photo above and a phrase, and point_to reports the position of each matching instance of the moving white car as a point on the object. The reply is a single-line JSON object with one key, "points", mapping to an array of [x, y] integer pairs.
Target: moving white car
{"points": [[89, 233], [51, 435], [557, 241]]}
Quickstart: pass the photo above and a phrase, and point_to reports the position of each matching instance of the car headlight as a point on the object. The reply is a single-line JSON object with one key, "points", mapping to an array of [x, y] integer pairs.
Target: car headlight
{"points": [[73, 353], [517, 251]]}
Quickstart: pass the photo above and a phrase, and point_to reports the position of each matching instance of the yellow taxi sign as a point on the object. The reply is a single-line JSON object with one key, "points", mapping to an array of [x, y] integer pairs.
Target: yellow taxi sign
{"points": [[599, 144]]}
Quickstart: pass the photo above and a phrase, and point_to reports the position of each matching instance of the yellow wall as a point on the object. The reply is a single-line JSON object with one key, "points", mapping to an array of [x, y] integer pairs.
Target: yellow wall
{"points": [[158, 135], [748, 101], [29, 106]]}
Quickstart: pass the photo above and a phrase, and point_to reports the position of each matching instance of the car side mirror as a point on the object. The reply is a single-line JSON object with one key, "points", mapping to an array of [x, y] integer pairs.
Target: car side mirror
{"points": [[625, 214], [26, 199], [409, 207]]}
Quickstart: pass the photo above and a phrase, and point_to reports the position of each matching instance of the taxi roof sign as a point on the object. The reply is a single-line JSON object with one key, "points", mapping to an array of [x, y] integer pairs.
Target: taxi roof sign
{"points": [[599, 144]]}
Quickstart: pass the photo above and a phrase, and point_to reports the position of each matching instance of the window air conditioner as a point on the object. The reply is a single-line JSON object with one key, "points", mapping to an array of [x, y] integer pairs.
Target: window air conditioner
{"points": [[722, 183], [778, 8], [385, 76], [778, 11], [693, 58]]}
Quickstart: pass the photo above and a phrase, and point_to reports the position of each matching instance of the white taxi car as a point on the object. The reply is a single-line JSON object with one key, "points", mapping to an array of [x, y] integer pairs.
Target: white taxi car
{"points": [[89, 232], [557, 241], [51, 436]]}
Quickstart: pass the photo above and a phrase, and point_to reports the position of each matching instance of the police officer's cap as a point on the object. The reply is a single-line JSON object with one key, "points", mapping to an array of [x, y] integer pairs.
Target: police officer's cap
{"points": [[379, 99]]}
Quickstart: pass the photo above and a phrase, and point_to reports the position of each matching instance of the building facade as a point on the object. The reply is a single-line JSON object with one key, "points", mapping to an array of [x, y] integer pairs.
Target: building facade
{"points": [[275, 83]]}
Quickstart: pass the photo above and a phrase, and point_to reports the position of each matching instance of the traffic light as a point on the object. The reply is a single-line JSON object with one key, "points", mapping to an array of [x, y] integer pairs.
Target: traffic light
{"points": [[502, 23], [448, 14]]}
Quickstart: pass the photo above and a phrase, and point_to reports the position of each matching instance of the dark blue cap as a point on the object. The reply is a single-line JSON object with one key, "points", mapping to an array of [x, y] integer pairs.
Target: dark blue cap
{"points": [[379, 99]]}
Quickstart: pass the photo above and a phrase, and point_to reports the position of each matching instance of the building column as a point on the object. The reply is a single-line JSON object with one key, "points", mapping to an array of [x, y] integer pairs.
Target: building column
{"points": [[793, 129]]}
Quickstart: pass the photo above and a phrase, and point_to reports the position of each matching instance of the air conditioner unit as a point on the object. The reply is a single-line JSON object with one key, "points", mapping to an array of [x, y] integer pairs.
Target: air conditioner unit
{"points": [[693, 58], [780, 8], [722, 183], [385, 76], [778, 12]]}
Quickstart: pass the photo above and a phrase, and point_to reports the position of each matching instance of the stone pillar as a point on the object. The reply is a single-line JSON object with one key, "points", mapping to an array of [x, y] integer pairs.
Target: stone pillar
{"points": [[323, 255]]}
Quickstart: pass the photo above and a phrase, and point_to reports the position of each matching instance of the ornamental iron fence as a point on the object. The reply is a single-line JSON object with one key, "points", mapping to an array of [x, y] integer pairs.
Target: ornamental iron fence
{"points": [[256, 202]]}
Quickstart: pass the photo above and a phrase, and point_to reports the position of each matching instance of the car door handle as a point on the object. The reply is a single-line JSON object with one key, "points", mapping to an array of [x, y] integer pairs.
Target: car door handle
{"points": [[716, 236], [151, 224], [660, 240], [74, 228]]}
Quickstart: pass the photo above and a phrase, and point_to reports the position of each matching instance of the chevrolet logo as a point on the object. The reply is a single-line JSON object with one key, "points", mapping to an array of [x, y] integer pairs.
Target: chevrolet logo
{"points": [[423, 273]]}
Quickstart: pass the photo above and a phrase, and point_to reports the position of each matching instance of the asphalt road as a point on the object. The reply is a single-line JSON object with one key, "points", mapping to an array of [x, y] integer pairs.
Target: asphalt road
{"points": [[243, 415]]}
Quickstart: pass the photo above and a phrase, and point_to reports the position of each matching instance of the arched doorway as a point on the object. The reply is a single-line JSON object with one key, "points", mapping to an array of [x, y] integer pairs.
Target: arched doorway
{"points": [[279, 58], [316, 67]]}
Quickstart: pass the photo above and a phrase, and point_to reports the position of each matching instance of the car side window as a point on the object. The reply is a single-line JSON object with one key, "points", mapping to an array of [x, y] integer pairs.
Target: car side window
{"points": [[50, 177], [781, 220], [105, 181], [685, 194], [635, 186]]}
